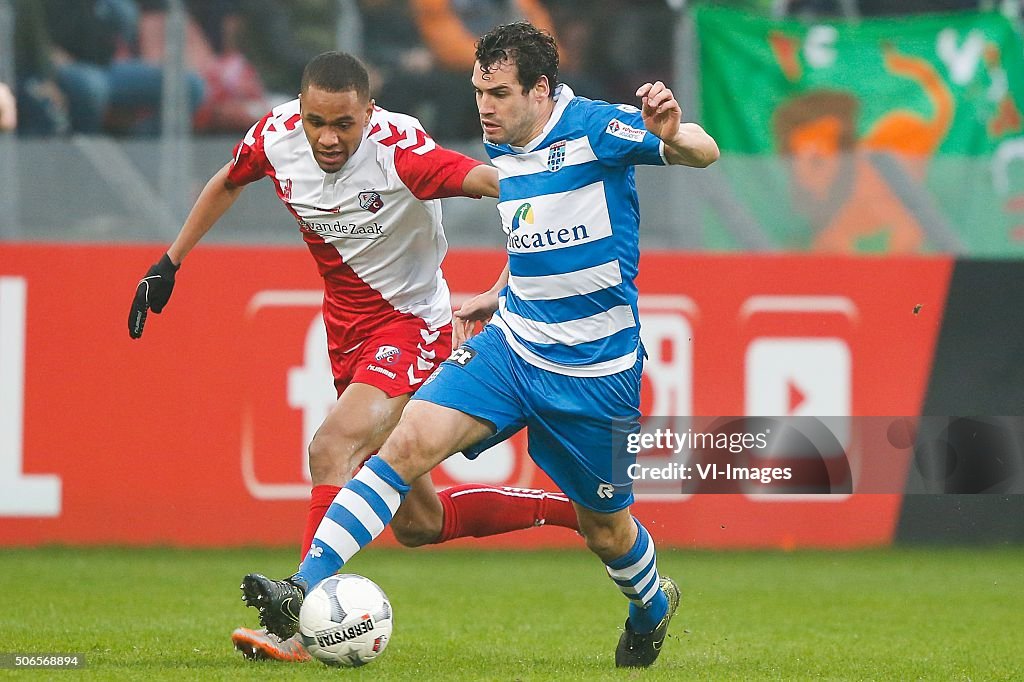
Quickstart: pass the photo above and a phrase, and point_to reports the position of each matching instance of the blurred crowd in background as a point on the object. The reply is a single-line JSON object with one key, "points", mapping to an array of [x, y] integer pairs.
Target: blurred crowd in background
{"points": [[94, 66]]}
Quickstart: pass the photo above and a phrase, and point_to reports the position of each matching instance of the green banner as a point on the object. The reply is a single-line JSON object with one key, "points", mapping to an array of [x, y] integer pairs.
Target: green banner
{"points": [[896, 135], [938, 83]]}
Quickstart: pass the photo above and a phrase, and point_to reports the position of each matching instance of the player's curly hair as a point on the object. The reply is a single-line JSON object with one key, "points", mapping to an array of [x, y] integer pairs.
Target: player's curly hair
{"points": [[336, 72], [532, 50]]}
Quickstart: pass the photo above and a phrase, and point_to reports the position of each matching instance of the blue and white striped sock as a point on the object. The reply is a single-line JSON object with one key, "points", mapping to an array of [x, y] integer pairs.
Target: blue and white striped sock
{"points": [[359, 513], [636, 574]]}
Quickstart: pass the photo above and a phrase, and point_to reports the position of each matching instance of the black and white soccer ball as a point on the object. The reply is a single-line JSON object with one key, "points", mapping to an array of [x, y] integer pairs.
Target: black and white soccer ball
{"points": [[346, 621]]}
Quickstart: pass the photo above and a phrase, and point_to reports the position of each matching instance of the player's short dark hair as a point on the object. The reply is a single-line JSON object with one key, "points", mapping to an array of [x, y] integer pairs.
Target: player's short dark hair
{"points": [[336, 72], [532, 50]]}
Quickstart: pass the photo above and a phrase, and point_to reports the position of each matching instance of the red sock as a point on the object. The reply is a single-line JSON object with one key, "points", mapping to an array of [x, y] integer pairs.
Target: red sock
{"points": [[320, 500], [557, 510], [480, 510]]}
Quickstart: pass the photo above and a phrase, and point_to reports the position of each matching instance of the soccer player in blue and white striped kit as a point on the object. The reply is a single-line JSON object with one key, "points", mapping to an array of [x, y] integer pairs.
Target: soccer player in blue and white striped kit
{"points": [[562, 354]]}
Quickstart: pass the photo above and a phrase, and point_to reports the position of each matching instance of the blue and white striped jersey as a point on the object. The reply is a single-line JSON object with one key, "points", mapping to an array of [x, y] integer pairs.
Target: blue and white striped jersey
{"points": [[569, 209]]}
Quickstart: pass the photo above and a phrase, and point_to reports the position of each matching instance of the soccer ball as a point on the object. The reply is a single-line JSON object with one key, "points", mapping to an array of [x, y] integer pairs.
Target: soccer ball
{"points": [[345, 621]]}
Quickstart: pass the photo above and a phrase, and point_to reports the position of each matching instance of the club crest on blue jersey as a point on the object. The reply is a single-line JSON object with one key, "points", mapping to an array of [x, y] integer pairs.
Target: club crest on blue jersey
{"points": [[370, 201], [556, 155]]}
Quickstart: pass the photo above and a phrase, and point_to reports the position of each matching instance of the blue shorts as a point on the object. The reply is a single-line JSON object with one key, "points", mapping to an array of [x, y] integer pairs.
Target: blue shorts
{"points": [[577, 426]]}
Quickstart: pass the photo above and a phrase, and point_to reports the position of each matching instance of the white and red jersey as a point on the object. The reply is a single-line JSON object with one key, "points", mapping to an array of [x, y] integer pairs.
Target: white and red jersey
{"points": [[373, 227]]}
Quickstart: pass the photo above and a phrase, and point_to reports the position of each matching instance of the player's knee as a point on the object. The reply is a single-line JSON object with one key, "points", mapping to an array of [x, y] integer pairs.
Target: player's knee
{"points": [[322, 467], [599, 540], [606, 541], [415, 534], [407, 452], [333, 457]]}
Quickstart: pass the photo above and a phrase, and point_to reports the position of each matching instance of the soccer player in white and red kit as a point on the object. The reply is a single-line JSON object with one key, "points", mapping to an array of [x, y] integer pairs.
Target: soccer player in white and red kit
{"points": [[364, 186]]}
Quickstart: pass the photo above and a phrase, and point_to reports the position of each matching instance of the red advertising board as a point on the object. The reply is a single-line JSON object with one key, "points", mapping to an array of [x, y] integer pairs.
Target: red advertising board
{"points": [[195, 435]]}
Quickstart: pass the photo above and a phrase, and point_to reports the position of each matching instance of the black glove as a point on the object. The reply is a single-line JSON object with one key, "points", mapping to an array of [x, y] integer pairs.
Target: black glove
{"points": [[153, 292]]}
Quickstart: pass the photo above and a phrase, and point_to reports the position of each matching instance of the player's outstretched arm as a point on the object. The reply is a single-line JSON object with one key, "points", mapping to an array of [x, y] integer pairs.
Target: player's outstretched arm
{"points": [[480, 309], [154, 290], [481, 181], [213, 202], [686, 144]]}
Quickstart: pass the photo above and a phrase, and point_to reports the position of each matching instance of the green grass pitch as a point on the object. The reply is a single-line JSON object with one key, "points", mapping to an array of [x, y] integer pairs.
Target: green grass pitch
{"points": [[463, 614]]}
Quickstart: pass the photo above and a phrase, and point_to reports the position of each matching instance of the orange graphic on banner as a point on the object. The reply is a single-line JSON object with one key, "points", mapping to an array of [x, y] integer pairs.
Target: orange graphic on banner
{"points": [[1007, 117], [786, 51], [906, 132]]}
